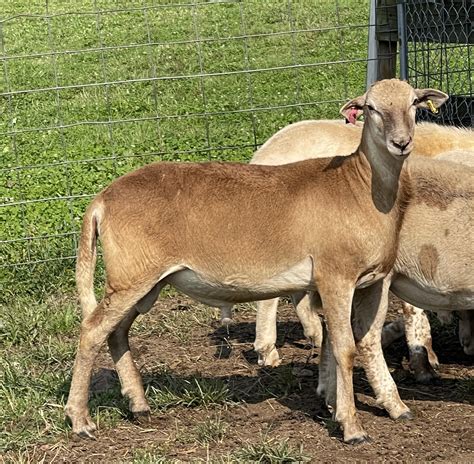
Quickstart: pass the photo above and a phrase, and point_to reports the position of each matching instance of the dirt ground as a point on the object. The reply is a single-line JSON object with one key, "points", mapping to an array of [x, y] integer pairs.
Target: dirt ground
{"points": [[442, 431]]}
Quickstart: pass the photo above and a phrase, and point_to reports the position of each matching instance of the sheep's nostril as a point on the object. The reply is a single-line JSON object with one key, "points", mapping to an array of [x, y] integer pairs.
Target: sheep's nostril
{"points": [[401, 144]]}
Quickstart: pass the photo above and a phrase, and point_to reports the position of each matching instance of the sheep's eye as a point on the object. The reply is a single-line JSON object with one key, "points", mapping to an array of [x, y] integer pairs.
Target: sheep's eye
{"points": [[370, 108], [416, 101]]}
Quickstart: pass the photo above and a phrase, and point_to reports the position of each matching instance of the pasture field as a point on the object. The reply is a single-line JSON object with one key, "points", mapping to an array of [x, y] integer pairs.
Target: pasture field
{"points": [[210, 400], [86, 98], [89, 91]]}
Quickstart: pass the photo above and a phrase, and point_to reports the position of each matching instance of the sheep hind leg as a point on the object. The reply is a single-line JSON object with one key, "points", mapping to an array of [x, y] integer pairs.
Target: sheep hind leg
{"points": [[327, 382], [423, 359], [306, 305], [326, 362], [266, 333], [129, 375], [95, 330], [226, 314]]}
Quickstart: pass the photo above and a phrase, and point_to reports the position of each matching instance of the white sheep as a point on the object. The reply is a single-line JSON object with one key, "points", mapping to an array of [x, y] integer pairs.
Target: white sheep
{"points": [[314, 139], [434, 265]]}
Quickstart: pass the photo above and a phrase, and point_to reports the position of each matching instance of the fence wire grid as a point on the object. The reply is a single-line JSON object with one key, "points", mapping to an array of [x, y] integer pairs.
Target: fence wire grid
{"points": [[440, 53], [93, 89]]}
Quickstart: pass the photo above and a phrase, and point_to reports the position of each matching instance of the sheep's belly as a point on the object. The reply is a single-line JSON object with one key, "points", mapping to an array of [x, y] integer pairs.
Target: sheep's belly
{"points": [[426, 297], [239, 289]]}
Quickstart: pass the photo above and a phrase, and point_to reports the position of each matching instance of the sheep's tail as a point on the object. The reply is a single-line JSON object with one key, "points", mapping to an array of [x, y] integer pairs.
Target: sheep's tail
{"points": [[86, 259]]}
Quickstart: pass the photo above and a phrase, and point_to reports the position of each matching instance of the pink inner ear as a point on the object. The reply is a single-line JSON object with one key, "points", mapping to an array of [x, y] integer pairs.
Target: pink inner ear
{"points": [[352, 115]]}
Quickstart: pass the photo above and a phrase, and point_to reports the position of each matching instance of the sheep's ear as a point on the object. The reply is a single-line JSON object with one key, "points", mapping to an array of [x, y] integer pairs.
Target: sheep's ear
{"points": [[353, 109], [430, 99]]}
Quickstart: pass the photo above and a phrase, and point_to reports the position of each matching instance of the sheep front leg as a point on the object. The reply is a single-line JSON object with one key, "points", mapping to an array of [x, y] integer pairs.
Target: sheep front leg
{"points": [[369, 312], [266, 333], [337, 303]]}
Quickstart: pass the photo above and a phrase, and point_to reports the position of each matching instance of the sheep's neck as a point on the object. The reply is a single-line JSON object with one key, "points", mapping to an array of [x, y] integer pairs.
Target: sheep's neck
{"points": [[382, 170]]}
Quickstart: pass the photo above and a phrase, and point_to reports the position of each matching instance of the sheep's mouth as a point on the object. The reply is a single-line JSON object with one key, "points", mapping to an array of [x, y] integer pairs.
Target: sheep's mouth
{"points": [[400, 153]]}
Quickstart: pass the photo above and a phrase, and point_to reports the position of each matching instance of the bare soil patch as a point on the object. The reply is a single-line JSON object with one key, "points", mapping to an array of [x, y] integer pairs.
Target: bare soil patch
{"points": [[281, 402]]}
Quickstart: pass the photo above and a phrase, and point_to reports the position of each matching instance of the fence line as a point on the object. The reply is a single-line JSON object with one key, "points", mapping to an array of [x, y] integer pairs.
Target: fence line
{"points": [[186, 76], [438, 52], [181, 42], [86, 96]]}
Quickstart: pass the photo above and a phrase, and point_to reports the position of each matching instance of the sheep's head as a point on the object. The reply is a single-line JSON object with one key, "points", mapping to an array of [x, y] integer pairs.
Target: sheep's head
{"points": [[389, 108]]}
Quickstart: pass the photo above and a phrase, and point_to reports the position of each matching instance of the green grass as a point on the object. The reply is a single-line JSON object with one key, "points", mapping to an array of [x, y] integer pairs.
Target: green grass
{"points": [[36, 356], [112, 129], [212, 430], [37, 348], [151, 456], [270, 451], [169, 392], [265, 451], [22, 324], [177, 322]]}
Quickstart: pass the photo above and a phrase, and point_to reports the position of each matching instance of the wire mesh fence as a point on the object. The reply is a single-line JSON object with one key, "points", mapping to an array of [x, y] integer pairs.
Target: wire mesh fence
{"points": [[92, 89], [440, 52]]}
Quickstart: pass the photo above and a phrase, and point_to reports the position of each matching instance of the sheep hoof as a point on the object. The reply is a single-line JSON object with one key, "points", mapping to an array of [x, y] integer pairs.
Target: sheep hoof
{"points": [[269, 358], [426, 376], [433, 360], [359, 440], [142, 416], [82, 424], [226, 321], [408, 415], [86, 434]]}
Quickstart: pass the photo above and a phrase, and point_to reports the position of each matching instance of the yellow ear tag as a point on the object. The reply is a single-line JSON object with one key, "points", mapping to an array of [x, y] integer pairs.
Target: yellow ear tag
{"points": [[431, 106]]}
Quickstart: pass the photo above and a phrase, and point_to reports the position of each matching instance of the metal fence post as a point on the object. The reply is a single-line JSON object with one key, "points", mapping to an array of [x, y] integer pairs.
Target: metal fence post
{"points": [[402, 33], [383, 39], [372, 53]]}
